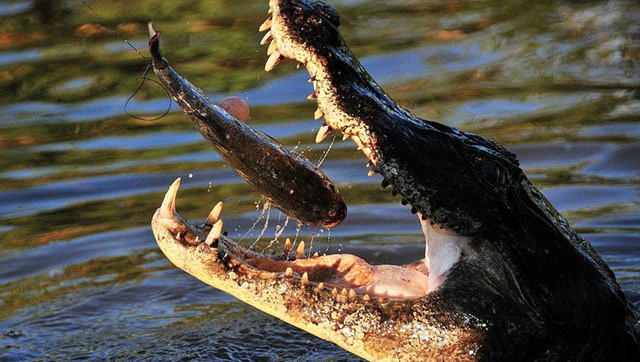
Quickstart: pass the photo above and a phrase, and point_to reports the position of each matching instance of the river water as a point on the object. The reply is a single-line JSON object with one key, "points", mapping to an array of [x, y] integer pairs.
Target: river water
{"points": [[81, 276]]}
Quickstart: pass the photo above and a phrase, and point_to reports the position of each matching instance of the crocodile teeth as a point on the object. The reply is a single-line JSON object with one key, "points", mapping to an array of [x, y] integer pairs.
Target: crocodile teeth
{"points": [[267, 37], [214, 215], [288, 273], [273, 60], [270, 10], [321, 285], [317, 114], [312, 96], [168, 207], [323, 132], [345, 136], [266, 25], [214, 234], [287, 246], [366, 297], [272, 47], [305, 279], [334, 292], [352, 294], [300, 250], [371, 172]]}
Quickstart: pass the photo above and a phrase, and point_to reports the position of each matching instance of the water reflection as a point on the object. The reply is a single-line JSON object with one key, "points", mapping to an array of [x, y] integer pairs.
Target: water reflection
{"points": [[555, 81]]}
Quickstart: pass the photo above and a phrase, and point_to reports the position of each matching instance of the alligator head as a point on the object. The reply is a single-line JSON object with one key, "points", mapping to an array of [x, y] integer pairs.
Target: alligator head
{"points": [[504, 276]]}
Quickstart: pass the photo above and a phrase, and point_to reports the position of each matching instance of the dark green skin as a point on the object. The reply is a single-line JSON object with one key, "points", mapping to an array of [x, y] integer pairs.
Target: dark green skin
{"points": [[527, 288], [289, 181]]}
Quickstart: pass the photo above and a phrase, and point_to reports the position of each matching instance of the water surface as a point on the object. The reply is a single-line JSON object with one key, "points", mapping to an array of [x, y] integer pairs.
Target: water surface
{"points": [[81, 277]]}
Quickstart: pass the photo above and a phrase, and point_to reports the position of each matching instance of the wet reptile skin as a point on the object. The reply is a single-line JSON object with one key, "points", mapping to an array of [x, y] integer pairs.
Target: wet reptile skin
{"points": [[528, 288]]}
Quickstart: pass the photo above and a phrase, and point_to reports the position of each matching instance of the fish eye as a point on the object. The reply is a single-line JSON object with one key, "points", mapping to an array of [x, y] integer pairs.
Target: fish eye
{"points": [[493, 172]]}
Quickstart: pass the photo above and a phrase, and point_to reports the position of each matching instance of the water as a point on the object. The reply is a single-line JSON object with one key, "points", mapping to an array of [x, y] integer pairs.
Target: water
{"points": [[81, 276]]}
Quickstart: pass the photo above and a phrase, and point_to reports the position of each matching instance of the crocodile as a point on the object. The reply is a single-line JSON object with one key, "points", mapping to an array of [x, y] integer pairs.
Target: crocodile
{"points": [[504, 276]]}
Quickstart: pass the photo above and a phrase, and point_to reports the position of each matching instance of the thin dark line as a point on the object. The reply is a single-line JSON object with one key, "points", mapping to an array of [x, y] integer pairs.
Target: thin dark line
{"points": [[144, 78], [113, 30]]}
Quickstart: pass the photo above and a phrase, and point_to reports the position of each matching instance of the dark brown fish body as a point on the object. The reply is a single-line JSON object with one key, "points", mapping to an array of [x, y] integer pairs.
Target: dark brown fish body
{"points": [[289, 181]]}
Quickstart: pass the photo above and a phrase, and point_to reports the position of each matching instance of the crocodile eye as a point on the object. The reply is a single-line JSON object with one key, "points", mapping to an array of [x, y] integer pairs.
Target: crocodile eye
{"points": [[493, 172]]}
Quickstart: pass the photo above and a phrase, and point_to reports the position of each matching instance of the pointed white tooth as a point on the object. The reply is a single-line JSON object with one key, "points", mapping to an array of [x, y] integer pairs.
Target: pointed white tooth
{"points": [[169, 203], [270, 10], [300, 250], [345, 136], [267, 37], [273, 60], [298, 65], [272, 47], [214, 215], [317, 114], [266, 25], [312, 96], [214, 234], [323, 132], [371, 173]]}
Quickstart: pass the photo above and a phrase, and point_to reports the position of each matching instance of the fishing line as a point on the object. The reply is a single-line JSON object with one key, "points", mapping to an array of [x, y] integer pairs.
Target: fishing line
{"points": [[144, 78], [144, 74], [326, 152], [113, 30]]}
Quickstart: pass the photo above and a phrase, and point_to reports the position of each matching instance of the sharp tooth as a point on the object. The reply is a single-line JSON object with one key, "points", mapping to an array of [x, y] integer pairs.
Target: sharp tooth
{"points": [[270, 10], [168, 207], [345, 136], [214, 234], [316, 255], [344, 292], [214, 215], [321, 285], [334, 292], [369, 164], [272, 47], [197, 240], [357, 141], [323, 132], [288, 273], [287, 246], [267, 37], [352, 293], [371, 172], [312, 96], [305, 279], [366, 297], [266, 25], [367, 152], [318, 114], [298, 65], [300, 249], [273, 60]]}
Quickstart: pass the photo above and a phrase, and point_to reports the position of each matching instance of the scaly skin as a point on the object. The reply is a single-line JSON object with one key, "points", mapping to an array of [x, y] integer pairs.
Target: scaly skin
{"points": [[517, 282], [373, 328]]}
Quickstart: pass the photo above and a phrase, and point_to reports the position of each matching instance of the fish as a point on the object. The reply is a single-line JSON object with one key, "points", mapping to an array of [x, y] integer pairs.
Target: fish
{"points": [[289, 181]]}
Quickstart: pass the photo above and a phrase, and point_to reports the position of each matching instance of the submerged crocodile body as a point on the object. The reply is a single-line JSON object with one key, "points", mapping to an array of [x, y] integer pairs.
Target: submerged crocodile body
{"points": [[504, 276]]}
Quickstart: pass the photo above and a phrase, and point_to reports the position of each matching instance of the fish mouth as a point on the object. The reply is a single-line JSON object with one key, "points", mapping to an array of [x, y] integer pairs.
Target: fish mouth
{"points": [[342, 275]]}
